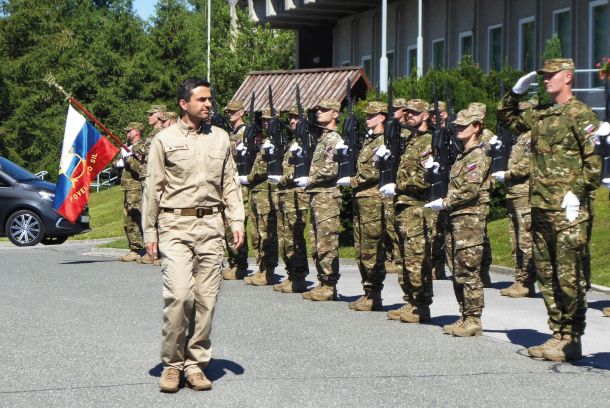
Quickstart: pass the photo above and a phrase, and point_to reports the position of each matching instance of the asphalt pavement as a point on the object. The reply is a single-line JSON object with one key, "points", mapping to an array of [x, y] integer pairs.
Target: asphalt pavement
{"points": [[80, 329]]}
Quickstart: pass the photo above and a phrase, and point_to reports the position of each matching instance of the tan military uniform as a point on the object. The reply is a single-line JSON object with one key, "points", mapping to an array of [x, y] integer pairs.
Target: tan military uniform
{"points": [[191, 177]]}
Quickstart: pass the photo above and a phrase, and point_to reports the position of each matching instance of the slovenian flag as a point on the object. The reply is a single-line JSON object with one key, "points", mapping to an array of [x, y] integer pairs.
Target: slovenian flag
{"points": [[84, 154]]}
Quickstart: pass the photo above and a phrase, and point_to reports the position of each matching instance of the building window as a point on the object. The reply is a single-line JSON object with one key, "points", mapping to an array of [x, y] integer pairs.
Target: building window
{"points": [[494, 48], [562, 26], [411, 60], [438, 53], [368, 66], [527, 44], [390, 56], [598, 35], [465, 45]]}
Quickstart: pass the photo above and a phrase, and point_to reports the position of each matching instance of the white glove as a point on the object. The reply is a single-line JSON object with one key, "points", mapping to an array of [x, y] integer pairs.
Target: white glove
{"points": [[431, 164], [120, 163], [243, 180], [389, 190], [344, 181], [241, 148], [499, 175], [296, 149], [125, 154], [269, 145], [496, 142], [570, 204], [606, 183], [603, 129], [435, 205], [274, 179], [524, 83], [382, 153], [342, 147], [302, 181]]}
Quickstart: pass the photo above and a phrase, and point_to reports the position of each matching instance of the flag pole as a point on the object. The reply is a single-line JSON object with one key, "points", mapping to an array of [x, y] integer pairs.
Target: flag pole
{"points": [[51, 81]]}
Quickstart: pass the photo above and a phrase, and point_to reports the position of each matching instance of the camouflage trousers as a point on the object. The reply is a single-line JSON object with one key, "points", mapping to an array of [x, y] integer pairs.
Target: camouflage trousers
{"points": [[415, 278], [132, 220], [487, 257], [324, 235], [520, 227], [292, 206], [464, 243], [558, 252], [263, 217], [370, 237], [437, 223], [393, 263], [238, 258]]}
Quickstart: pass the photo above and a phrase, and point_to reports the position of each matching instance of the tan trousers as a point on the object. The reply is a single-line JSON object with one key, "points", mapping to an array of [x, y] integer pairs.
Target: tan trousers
{"points": [[192, 249]]}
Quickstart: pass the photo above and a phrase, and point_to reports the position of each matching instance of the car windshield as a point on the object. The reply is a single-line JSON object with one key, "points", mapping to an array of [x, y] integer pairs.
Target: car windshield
{"points": [[18, 173]]}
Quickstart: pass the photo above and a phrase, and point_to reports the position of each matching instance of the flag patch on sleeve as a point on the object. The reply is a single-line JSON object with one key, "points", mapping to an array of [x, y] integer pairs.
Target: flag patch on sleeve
{"points": [[589, 128], [471, 167]]}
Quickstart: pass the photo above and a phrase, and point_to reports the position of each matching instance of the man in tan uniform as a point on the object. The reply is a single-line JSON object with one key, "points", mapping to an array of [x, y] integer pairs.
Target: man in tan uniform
{"points": [[191, 180]]}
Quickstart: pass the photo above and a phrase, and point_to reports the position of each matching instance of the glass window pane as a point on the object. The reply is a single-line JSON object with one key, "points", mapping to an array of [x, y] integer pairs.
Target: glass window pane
{"points": [[438, 54], [368, 68], [495, 49], [599, 37], [390, 56], [411, 61], [466, 46], [563, 29], [528, 46]]}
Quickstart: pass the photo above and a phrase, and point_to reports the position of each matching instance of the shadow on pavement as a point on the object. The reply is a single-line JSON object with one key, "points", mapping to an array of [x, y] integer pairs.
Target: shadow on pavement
{"points": [[443, 320], [597, 360], [599, 304], [85, 262], [215, 370]]}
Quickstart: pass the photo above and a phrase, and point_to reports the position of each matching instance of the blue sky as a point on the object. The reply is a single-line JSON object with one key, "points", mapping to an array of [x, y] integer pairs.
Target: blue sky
{"points": [[144, 8]]}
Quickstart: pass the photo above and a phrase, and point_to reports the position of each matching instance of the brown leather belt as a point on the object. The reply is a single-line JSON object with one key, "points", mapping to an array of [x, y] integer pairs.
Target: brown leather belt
{"points": [[193, 212]]}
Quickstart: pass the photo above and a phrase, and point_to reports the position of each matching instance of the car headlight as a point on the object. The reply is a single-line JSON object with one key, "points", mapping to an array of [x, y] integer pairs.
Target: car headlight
{"points": [[45, 195]]}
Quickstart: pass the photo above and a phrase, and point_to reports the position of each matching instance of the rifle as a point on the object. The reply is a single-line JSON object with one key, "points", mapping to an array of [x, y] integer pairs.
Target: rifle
{"points": [[302, 159], [455, 146], [245, 161], [217, 118], [391, 138], [441, 153], [347, 159], [603, 148], [500, 156], [274, 159]]}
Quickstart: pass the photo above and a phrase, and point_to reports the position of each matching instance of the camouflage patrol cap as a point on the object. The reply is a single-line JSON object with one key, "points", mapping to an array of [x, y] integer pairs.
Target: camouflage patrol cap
{"points": [[156, 108], [267, 113], [556, 65], [465, 117], [442, 107], [134, 125], [417, 105], [294, 111], [168, 115], [478, 108], [376, 107], [329, 104], [399, 103], [234, 105]]}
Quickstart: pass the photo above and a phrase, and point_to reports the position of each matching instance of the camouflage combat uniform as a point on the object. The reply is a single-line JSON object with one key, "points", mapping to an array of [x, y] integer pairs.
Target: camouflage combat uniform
{"points": [[485, 137], [562, 161], [325, 206], [133, 170]]}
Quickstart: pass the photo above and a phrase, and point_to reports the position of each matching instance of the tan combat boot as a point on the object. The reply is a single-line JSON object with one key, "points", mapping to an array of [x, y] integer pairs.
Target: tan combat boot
{"points": [[170, 379], [449, 328], [261, 278], [470, 327], [536, 351], [324, 292], [234, 273], [145, 259], [518, 290], [296, 286], [352, 305], [568, 348], [278, 286], [129, 257], [372, 303], [395, 314], [198, 382], [606, 311], [418, 314]]}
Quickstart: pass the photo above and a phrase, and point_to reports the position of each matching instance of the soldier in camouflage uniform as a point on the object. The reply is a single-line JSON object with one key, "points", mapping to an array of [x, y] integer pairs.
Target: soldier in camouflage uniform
{"points": [[412, 220], [238, 260], [517, 182], [564, 171], [370, 225], [168, 118], [468, 178], [263, 215], [324, 204], [132, 165]]}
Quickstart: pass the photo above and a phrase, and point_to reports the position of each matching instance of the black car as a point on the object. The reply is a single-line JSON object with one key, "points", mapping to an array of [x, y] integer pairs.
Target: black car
{"points": [[27, 216]]}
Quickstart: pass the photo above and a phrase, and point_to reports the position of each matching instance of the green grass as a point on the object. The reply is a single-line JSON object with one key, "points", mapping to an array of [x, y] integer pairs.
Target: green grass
{"points": [[106, 210]]}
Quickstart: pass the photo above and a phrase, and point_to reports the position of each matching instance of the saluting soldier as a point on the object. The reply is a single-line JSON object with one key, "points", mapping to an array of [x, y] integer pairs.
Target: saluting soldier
{"points": [[564, 172], [468, 178], [191, 181]]}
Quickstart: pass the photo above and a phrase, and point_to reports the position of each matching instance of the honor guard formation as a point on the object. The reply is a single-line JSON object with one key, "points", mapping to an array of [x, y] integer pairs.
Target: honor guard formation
{"points": [[420, 179]]}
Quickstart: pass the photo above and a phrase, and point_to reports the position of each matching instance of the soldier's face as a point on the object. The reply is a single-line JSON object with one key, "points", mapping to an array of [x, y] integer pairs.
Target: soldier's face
{"points": [[133, 135], [555, 82], [153, 118], [234, 116], [399, 114], [465, 132], [325, 116], [265, 123], [199, 105], [293, 121], [374, 119], [415, 119]]}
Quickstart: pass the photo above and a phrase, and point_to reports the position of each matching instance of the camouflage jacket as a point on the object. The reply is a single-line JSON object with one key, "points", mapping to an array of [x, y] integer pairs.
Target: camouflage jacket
{"points": [[324, 169], [143, 148], [365, 182], [468, 178], [518, 173], [562, 149], [412, 179], [287, 179], [235, 137], [134, 168], [258, 175]]}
